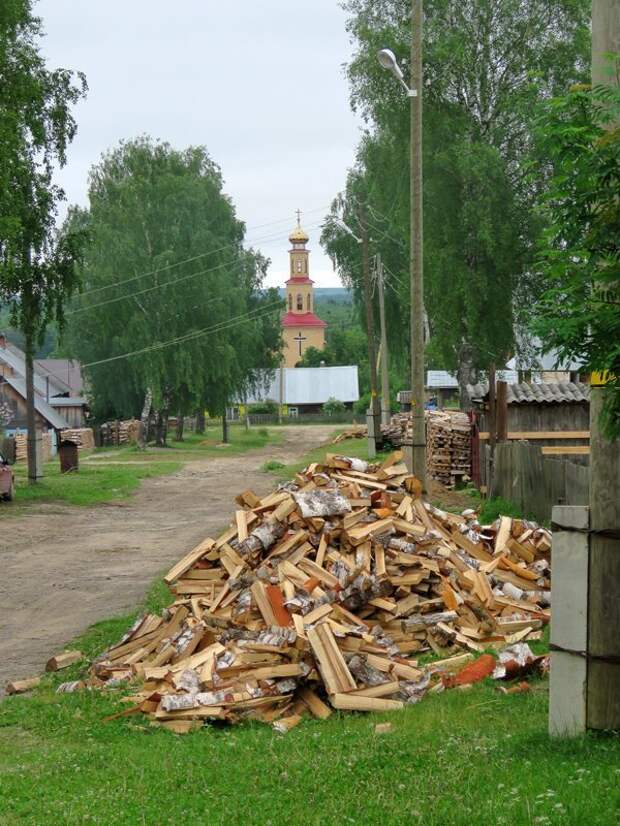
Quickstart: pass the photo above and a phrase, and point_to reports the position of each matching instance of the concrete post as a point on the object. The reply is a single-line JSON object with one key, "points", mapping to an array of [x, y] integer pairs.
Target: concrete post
{"points": [[569, 622]]}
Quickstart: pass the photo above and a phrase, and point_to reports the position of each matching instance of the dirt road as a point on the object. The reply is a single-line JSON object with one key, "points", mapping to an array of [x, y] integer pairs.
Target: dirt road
{"points": [[64, 568]]}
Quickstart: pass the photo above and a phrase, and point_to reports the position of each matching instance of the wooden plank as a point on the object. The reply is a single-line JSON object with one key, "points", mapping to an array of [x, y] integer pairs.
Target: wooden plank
{"points": [[533, 435], [575, 450], [22, 686], [242, 525], [63, 660], [353, 702], [189, 560], [314, 703], [262, 601]]}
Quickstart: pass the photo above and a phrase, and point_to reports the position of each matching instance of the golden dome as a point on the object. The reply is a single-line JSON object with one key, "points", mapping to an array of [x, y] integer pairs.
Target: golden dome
{"points": [[298, 236]]}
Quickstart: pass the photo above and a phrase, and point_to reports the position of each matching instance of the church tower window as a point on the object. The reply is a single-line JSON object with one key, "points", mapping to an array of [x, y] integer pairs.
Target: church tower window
{"points": [[290, 301], [300, 302], [308, 307]]}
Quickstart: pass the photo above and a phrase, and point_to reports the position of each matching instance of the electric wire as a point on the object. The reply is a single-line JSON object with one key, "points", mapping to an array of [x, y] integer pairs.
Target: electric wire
{"points": [[232, 264], [258, 314], [200, 255]]}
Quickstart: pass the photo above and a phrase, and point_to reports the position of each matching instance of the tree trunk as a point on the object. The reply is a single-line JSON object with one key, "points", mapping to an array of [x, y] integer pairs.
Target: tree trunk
{"points": [[225, 438], [143, 432], [200, 420], [34, 471], [159, 429], [465, 375], [164, 416], [180, 427]]}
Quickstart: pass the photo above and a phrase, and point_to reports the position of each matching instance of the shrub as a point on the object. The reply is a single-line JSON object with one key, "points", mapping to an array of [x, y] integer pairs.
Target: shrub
{"points": [[333, 406]]}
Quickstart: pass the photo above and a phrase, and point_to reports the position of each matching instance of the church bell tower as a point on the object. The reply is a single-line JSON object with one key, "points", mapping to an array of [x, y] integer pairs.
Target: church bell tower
{"points": [[301, 328]]}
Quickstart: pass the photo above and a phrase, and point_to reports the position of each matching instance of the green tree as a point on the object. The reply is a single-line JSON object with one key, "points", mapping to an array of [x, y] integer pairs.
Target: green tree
{"points": [[579, 315], [487, 66], [166, 263], [37, 270]]}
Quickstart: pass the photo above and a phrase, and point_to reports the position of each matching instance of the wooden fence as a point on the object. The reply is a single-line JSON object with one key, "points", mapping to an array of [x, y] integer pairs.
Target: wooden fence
{"points": [[536, 482]]}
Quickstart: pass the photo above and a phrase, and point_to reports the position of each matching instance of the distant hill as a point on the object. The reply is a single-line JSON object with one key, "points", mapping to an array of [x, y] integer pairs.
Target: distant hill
{"points": [[328, 295]]}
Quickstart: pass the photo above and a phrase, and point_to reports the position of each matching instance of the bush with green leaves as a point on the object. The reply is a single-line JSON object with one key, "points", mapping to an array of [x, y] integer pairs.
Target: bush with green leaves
{"points": [[333, 406], [579, 314], [268, 407]]}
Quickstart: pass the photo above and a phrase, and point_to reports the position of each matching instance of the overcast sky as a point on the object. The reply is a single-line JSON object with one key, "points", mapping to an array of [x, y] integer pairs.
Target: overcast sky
{"points": [[259, 82]]}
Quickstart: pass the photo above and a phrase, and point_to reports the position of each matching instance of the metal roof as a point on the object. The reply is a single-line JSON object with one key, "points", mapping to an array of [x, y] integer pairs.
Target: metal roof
{"points": [[560, 392], [14, 357], [308, 385], [50, 415], [66, 373], [68, 401]]}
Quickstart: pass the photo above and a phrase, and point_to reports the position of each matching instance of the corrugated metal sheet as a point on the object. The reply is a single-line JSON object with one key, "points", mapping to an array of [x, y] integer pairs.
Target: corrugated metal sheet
{"points": [[309, 385], [440, 378], [14, 357], [51, 416], [559, 392]]}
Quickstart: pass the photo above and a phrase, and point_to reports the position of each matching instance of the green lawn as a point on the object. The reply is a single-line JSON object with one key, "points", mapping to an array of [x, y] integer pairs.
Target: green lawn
{"points": [[107, 474], [90, 486], [459, 758], [462, 757], [194, 446]]}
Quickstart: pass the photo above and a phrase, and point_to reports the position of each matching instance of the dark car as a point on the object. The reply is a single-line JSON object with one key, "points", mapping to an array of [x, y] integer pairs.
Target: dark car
{"points": [[7, 480]]}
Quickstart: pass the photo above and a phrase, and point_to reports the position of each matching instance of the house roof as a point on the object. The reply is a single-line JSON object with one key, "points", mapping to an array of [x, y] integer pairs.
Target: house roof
{"points": [[308, 385], [560, 392], [66, 373], [51, 416], [302, 320], [68, 401], [15, 359]]}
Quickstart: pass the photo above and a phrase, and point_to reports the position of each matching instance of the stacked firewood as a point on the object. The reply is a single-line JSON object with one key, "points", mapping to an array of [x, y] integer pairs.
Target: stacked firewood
{"points": [[448, 442], [120, 432], [448, 446], [82, 436], [322, 594], [21, 447]]}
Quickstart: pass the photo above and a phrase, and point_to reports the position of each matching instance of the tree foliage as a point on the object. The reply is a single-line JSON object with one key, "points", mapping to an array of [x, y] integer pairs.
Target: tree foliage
{"points": [[166, 261], [579, 314], [487, 66], [37, 270]]}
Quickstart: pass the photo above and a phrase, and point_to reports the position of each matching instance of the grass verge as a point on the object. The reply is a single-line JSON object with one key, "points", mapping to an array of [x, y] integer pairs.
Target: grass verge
{"points": [[90, 486], [463, 757], [115, 473]]}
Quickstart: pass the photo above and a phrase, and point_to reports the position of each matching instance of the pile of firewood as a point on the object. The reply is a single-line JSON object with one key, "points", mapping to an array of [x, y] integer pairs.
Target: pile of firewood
{"points": [[321, 595], [448, 446], [82, 436], [356, 432], [120, 432], [21, 447], [448, 442]]}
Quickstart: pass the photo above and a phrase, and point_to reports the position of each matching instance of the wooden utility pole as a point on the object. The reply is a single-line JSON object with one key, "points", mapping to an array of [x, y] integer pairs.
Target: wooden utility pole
{"points": [[374, 414], [385, 376], [33, 441], [418, 450], [501, 411], [603, 664]]}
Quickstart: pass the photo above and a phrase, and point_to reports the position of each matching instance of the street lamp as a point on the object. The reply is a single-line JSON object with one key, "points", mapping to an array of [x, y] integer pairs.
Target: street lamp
{"points": [[416, 459], [387, 59]]}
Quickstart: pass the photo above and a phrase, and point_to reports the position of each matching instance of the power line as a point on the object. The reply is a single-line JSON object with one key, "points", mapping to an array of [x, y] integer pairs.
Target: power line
{"points": [[233, 264], [258, 313], [200, 255]]}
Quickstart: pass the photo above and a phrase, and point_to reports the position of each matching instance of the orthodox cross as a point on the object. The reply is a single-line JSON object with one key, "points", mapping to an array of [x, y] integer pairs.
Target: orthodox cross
{"points": [[300, 338], [298, 213]]}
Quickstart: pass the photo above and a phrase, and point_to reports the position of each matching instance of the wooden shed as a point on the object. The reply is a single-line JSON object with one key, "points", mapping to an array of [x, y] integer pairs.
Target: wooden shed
{"points": [[553, 415]]}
